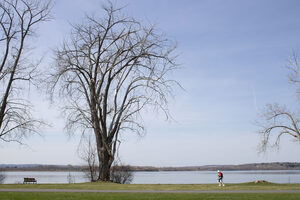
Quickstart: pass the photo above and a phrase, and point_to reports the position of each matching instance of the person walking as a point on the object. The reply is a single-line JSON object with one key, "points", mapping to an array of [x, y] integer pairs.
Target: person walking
{"points": [[220, 178]]}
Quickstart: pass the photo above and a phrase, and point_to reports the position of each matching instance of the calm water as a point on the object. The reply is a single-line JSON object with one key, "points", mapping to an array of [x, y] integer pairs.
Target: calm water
{"points": [[182, 177]]}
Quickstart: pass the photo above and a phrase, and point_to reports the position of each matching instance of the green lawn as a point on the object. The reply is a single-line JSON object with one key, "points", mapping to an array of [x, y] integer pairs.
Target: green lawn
{"points": [[149, 196], [113, 186], [140, 196]]}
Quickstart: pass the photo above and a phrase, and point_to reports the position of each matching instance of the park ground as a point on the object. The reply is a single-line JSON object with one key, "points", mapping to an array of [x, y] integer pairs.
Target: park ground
{"points": [[110, 191]]}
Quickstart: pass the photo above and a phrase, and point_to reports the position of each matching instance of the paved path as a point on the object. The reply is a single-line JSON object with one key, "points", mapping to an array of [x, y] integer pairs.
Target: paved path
{"points": [[150, 191]]}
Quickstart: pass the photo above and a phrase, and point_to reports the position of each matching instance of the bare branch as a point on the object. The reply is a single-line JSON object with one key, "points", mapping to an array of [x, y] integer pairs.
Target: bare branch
{"points": [[277, 120], [18, 19]]}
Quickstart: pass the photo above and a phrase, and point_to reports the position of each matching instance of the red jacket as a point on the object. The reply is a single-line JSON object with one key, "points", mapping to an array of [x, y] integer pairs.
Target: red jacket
{"points": [[220, 174]]}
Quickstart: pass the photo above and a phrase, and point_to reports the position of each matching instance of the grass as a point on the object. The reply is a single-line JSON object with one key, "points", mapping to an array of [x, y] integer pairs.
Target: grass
{"points": [[149, 196], [168, 187], [141, 196]]}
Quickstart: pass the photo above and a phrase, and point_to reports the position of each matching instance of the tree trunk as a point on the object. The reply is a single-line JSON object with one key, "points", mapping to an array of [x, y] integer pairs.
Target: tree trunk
{"points": [[104, 165], [105, 160]]}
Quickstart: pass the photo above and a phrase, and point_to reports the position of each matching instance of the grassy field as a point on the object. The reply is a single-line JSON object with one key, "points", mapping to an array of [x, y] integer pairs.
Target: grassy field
{"points": [[149, 196], [141, 196], [113, 186]]}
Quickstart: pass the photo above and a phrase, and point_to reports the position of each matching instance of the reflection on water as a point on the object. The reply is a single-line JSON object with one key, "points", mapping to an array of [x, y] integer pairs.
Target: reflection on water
{"points": [[171, 177]]}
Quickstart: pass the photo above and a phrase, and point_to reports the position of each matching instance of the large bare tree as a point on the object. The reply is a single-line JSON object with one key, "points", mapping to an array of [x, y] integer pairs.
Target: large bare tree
{"points": [[108, 71], [18, 21]]}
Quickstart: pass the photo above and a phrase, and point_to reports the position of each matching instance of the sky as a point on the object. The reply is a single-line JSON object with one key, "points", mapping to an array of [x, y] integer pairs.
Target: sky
{"points": [[232, 57]]}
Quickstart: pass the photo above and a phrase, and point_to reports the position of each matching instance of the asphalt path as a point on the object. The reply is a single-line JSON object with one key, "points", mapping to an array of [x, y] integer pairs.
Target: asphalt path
{"points": [[149, 191]]}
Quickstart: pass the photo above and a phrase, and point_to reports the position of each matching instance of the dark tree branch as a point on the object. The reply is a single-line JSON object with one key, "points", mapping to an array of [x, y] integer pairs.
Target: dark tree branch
{"points": [[18, 18], [277, 120]]}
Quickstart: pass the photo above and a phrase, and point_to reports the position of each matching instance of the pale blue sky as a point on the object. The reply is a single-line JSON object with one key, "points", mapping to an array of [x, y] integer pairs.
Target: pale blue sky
{"points": [[232, 56]]}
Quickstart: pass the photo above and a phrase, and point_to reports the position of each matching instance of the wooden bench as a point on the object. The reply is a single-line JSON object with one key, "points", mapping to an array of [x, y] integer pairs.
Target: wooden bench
{"points": [[29, 180]]}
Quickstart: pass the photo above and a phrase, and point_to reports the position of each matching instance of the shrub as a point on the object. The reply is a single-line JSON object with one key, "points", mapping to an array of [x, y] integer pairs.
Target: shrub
{"points": [[121, 174], [2, 177]]}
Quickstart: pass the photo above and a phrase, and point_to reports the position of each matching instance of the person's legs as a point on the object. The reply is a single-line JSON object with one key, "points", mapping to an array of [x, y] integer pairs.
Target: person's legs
{"points": [[222, 183]]}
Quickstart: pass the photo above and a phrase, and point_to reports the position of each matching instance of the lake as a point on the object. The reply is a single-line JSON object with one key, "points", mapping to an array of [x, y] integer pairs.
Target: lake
{"points": [[164, 177]]}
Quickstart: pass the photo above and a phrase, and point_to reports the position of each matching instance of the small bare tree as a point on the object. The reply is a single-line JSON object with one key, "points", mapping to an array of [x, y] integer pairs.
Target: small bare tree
{"points": [[108, 71], [70, 178], [277, 120], [88, 153], [18, 19]]}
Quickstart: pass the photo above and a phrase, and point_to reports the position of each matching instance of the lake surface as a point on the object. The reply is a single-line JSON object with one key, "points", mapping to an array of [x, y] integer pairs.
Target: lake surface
{"points": [[170, 177]]}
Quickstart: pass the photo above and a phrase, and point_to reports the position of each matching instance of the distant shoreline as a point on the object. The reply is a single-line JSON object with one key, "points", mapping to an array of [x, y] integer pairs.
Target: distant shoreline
{"points": [[242, 167]]}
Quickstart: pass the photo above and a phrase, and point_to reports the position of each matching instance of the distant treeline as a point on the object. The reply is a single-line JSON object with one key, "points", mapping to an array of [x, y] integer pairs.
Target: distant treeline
{"points": [[40, 167], [251, 166]]}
